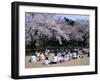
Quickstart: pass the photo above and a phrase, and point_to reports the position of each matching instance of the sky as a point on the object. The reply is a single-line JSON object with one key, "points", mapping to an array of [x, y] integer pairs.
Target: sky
{"points": [[69, 16], [75, 16]]}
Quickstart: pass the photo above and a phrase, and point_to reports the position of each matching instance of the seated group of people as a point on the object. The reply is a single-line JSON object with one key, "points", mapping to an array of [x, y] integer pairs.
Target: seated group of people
{"points": [[58, 56]]}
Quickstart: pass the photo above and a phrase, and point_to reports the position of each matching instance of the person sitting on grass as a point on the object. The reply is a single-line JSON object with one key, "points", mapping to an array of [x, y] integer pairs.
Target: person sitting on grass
{"points": [[74, 55], [81, 53], [33, 58], [46, 62], [60, 59], [46, 52], [55, 59], [42, 57], [66, 57], [38, 56]]}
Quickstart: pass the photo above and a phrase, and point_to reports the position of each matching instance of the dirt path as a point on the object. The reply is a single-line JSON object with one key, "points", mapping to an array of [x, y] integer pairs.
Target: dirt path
{"points": [[73, 62]]}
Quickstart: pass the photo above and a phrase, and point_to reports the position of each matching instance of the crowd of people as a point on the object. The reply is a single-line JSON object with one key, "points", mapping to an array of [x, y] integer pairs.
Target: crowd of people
{"points": [[58, 55]]}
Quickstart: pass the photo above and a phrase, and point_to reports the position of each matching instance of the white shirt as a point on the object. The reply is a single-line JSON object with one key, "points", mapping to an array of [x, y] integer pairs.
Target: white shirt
{"points": [[46, 53], [55, 59], [74, 54], [33, 59], [46, 62], [48, 50], [60, 58], [38, 54]]}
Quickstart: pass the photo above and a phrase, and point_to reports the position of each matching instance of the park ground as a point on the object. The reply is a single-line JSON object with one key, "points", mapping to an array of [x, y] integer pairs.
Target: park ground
{"points": [[72, 62]]}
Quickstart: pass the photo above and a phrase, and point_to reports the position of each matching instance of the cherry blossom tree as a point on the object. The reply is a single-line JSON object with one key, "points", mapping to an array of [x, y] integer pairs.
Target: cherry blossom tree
{"points": [[40, 28]]}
